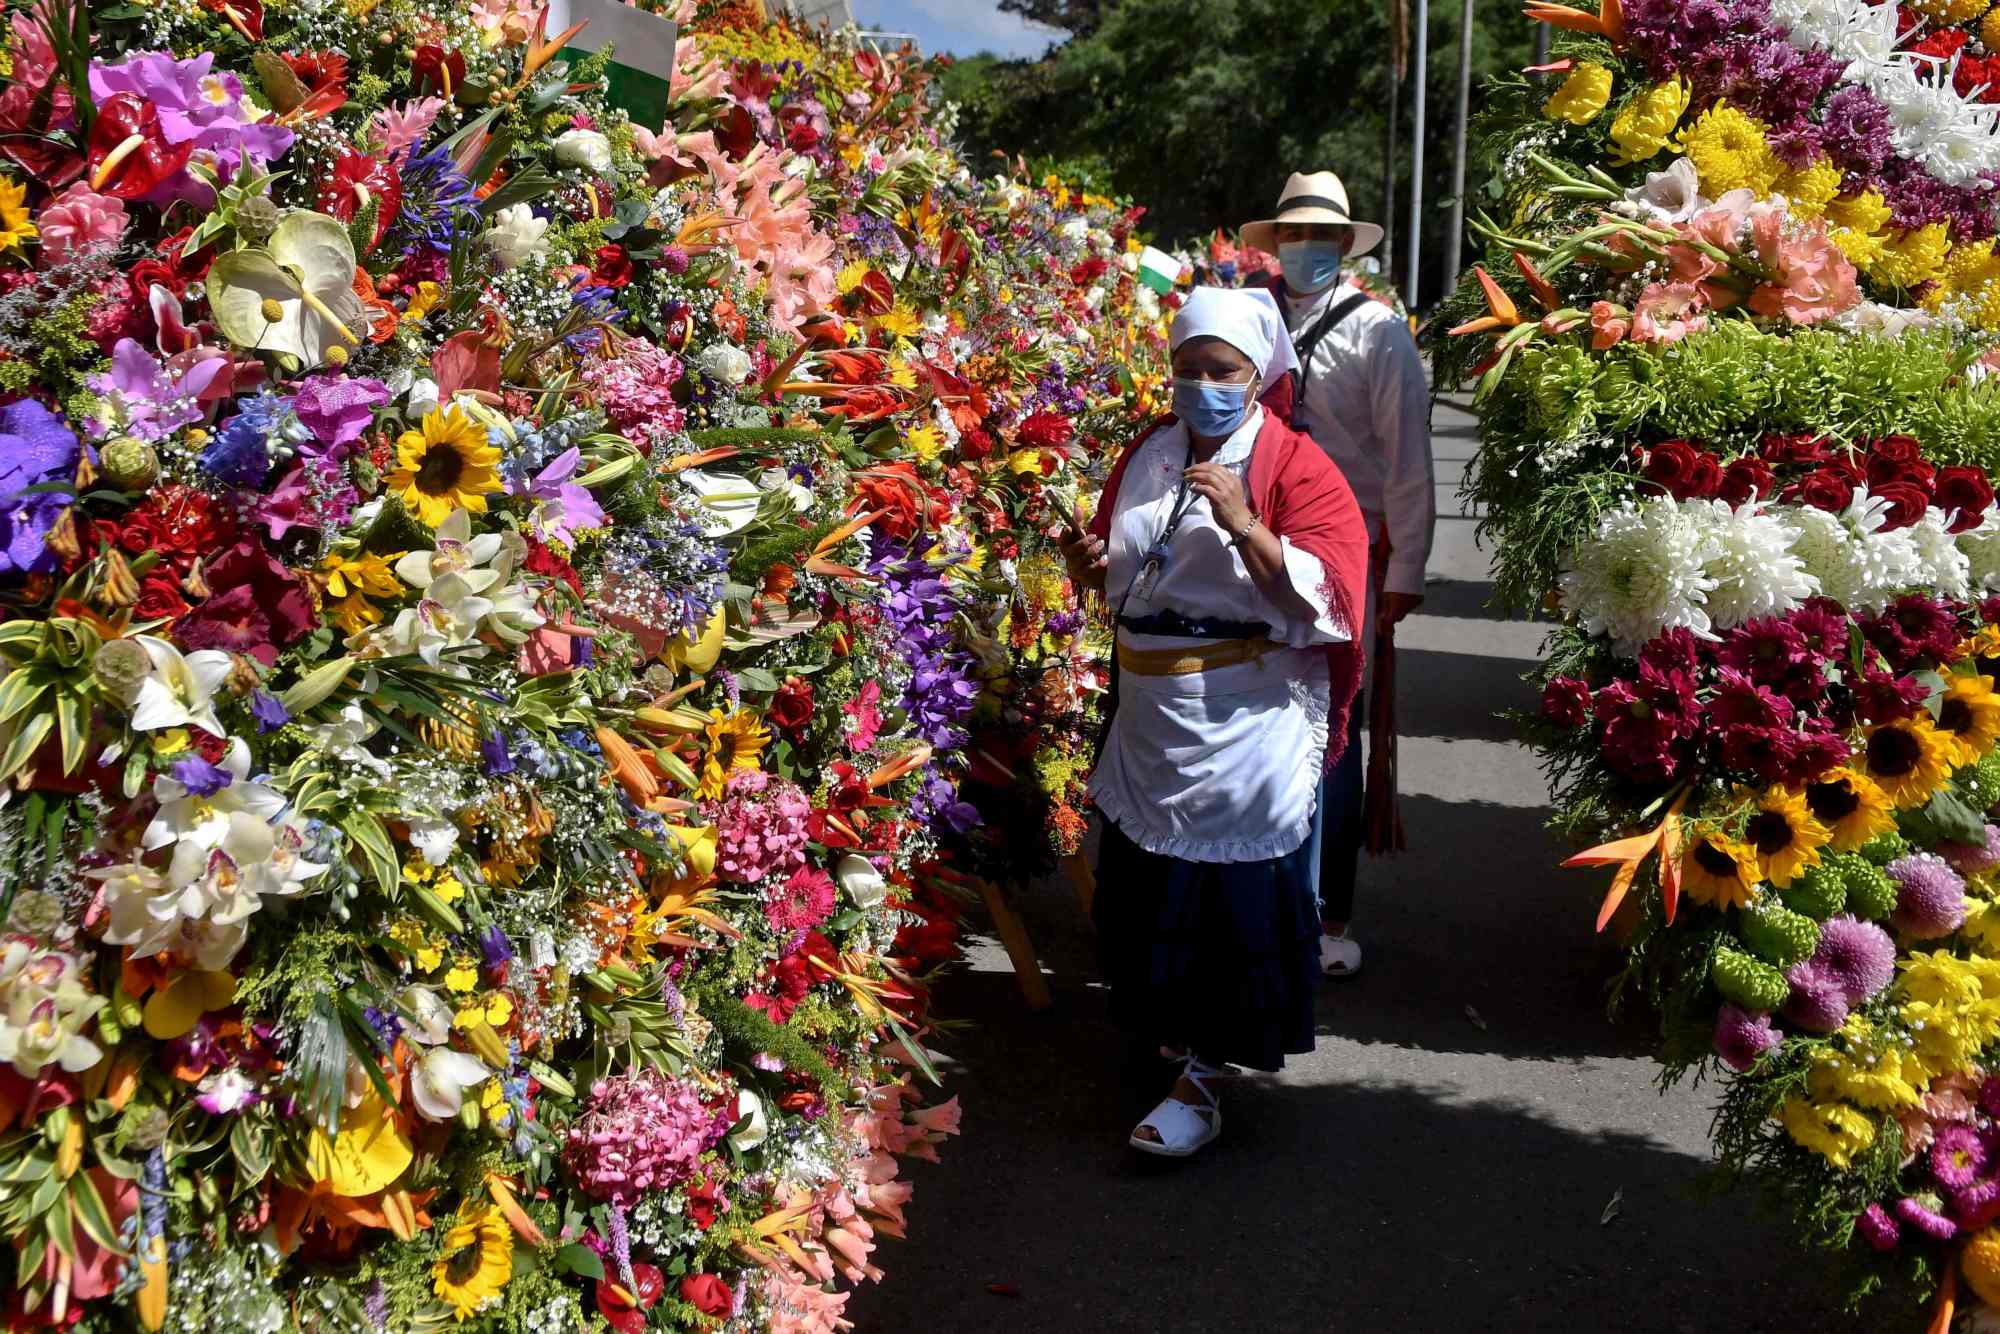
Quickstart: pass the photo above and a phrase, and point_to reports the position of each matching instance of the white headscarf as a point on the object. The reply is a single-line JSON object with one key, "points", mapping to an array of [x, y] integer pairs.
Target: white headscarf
{"points": [[1246, 318]]}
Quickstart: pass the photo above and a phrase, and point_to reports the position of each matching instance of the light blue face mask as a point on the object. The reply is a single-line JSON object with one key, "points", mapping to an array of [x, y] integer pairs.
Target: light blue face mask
{"points": [[1310, 266], [1211, 410]]}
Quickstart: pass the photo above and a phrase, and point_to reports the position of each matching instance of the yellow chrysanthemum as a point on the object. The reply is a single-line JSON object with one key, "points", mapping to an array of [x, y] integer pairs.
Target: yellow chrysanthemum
{"points": [[736, 741], [1851, 806], [1644, 125], [475, 1263], [1907, 759], [1582, 96], [1952, 11], [1866, 1071], [1914, 257], [1979, 1261], [1811, 188], [1969, 716], [1858, 225], [1785, 835], [1833, 1130], [1969, 284], [850, 277], [14, 224], [1730, 152], [1989, 30], [1721, 872], [445, 466], [925, 443]]}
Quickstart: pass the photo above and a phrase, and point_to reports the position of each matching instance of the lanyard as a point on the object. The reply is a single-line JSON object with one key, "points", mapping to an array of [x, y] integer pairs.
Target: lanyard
{"points": [[1147, 576]]}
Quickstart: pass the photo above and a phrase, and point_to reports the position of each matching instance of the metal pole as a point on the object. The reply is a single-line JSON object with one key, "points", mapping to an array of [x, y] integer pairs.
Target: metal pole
{"points": [[1414, 240], [1542, 31], [1455, 238], [1389, 182]]}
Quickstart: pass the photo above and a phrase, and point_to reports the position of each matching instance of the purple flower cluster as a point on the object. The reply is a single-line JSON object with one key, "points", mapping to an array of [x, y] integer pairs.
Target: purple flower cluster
{"points": [[921, 609]]}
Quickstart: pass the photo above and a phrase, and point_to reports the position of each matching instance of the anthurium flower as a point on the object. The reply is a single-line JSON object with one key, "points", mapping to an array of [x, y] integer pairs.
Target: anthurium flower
{"points": [[294, 296], [358, 180], [129, 154]]}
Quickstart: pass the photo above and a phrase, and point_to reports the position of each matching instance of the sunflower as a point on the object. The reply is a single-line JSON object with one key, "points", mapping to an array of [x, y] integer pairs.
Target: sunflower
{"points": [[14, 225], [1969, 717], [1982, 650], [1907, 759], [735, 741], [446, 466], [1786, 836], [475, 1263], [1851, 806], [1719, 871]]}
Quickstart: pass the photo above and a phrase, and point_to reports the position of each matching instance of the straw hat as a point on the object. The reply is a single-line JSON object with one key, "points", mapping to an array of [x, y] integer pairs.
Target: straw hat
{"points": [[1316, 196]]}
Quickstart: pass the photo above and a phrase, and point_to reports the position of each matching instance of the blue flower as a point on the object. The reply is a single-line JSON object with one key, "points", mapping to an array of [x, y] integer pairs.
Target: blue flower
{"points": [[269, 711], [200, 777], [35, 448], [240, 453]]}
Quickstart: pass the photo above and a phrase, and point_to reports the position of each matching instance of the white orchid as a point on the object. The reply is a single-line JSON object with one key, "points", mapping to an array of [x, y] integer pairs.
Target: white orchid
{"points": [[433, 838], [463, 582], [179, 689], [44, 1007], [439, 1079], [342, 740]]}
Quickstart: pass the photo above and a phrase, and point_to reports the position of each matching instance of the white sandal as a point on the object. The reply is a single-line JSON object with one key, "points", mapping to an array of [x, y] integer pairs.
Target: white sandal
{"points": [[1183, 1128], [1339, 956]]}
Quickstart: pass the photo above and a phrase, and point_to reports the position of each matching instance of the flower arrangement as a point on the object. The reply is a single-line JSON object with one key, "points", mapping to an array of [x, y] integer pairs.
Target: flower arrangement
{"points": [[499, 604], [1733, 342]]}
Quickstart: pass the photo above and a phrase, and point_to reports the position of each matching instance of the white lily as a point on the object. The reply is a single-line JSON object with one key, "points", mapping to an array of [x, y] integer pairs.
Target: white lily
{"points": [[180, 689]]}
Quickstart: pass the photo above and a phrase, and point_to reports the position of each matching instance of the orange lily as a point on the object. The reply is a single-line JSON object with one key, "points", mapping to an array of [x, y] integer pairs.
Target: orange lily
{"points": [[502, 1190], [776, 1229], [681, 907], [628, 767], [1608, 22], [1627, 854], [1503, 313], [868, 994]]}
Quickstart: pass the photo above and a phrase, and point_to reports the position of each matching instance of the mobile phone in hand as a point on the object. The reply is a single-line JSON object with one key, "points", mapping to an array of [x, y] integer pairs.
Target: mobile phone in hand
{"points": [[1063, 512]]}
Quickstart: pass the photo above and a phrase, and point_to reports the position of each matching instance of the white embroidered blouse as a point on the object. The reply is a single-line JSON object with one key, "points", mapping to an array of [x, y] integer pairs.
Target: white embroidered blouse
{"points": [[1221, 765]]}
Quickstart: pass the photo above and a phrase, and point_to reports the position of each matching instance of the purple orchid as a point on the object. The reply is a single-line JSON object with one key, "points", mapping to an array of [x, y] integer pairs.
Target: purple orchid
{"points": [[338, 410], [146, 400], [35, 448], [195, 104], [565, 507]]}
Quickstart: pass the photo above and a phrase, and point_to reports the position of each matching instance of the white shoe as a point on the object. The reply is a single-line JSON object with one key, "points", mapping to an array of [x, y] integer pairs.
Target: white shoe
{"points": [[1339, 956], [1184, 1129]]}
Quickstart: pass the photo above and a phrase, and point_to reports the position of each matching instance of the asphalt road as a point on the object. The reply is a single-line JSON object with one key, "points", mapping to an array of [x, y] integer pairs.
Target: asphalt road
{"points": [[1447, 1160]]}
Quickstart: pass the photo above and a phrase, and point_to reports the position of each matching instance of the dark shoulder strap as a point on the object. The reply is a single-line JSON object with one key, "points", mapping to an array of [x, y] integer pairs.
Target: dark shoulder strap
{"points": [[1308, 342]]}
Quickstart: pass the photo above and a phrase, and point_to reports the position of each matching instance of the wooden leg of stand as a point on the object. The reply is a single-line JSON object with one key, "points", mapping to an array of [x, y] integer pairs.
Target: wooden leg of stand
{"points": [[1083, 878], [1034, 987]]}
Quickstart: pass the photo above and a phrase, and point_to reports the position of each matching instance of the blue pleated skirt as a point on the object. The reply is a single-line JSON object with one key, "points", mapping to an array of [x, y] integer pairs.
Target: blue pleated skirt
{"points": [[1219, 957]]}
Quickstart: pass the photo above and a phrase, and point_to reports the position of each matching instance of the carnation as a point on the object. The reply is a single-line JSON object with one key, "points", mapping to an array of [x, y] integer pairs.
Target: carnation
{"points": [[1752, 565], [1643, 572]]}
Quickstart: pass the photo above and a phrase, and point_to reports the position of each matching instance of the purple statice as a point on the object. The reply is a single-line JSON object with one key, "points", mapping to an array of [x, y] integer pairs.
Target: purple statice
{"points": [[1930, 896], [36, 448], [1926, 1214], [1742, 1036], [1957, 1156], [1858, 955], [1879, 1228], [877, 238], [439, 202]]}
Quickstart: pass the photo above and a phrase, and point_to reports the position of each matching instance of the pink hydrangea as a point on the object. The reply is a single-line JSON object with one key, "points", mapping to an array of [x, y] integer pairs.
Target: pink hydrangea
{"points": [[801, 901], [636, 390], [760, 828], [643, 1132], [79, 219]]}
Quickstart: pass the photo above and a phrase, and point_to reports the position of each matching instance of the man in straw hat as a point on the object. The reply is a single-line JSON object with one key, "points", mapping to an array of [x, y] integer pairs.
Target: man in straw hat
{"points": [[1363, 399]]}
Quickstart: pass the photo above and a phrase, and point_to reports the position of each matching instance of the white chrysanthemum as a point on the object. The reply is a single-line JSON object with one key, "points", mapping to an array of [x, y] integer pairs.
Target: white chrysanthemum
{"points": [[1753, 567], [1641, 574], [1942, 568], [1856, 563], [1981, 546]]}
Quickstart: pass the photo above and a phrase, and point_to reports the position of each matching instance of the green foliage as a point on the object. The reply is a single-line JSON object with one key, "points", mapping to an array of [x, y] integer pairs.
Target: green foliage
{"points": [[746, 1032]]}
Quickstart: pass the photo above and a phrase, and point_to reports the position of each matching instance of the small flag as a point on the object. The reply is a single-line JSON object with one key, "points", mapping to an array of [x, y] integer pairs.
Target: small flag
{"points": [[1158, 270]]}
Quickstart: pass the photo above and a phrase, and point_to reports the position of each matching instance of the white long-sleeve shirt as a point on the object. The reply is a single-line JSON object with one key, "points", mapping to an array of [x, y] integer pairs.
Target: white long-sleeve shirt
{"points": [[1367, 405]]}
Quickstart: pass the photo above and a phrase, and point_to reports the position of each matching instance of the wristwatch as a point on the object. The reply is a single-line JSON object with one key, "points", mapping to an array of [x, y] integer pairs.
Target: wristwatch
{"points": [[1248, 529]]}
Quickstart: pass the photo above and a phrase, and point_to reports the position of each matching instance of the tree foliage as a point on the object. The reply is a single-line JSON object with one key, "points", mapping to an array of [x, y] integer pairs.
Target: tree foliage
{"points": [[1076, 16]]}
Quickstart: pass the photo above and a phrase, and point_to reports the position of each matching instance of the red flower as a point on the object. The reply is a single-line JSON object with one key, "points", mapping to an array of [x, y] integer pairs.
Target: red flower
{"points": [[708, 1294], [1797, 447], [894, 489], [159, 599], [975, 444], [791, 709], [703, 1199], [1566, 700], [323, 75], [246, 16], [1682, 471], [258, 606], [1045, 430], [614, 266], [1907, 503], [1964, 493], [1897, 458], [436, 70], [129, 154], [358, 180], [544, 561], [849, 791], [629, 1317], [1828, 489], [1747, 478]]}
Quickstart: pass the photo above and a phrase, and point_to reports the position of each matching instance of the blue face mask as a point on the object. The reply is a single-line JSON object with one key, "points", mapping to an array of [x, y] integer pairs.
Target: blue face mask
{"points": [[1211, 410], [1310, 266]]}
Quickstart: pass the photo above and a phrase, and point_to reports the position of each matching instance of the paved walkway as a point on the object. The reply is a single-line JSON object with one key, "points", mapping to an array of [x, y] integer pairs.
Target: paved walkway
{"points": [[1447, 1160]]}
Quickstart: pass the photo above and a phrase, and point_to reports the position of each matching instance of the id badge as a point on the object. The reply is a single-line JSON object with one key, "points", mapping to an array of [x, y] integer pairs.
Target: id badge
{"points": [[1149, 576]]}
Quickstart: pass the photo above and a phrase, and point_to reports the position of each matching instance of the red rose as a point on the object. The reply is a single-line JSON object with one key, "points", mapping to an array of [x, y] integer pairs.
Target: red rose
{"points": [[1826, 488], [614, 266], [1896, 458], [1746, 479], [1681, 470], [1964, 493], [792, 707], [1907, 503], [1793, 447], [159, 598], [708, 1294]]}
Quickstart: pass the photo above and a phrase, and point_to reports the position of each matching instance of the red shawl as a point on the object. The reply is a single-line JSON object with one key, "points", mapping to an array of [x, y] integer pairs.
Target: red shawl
{"points": [[1300, 495]]}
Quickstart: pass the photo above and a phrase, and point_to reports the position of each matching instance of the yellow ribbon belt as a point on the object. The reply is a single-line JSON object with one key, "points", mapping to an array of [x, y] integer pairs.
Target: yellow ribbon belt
{"points": [[1187, 661]]}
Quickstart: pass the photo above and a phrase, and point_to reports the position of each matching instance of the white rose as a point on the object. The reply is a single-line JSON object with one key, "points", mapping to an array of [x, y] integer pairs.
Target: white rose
{"points": [[725, 362], [517, 235], [584, 148], [860, 881], [749, 1105], [423, 397]]}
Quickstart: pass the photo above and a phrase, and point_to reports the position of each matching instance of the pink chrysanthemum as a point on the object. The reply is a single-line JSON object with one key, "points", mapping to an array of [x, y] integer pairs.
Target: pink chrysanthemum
{"points": [[1957, 1156], [1857, 954], [1818, 1003], [1977, 1205], [1926, 1214], [643, 1132], [1930, 896], [803, 900], [1741, 1037], [760, 828], [1878, 1227], [1971, 858]]}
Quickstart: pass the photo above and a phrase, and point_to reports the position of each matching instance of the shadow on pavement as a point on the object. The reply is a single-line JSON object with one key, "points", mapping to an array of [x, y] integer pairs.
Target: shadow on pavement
{"points": [[1459, 694], [1346, 1207]]}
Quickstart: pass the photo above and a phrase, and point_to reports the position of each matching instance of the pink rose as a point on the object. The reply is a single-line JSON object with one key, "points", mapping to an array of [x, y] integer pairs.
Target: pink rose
{"points": [[78, 219]]}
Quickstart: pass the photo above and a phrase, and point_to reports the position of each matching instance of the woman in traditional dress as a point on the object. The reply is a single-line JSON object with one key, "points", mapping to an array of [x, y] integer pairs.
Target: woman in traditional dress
{"points": [[1232, 554]]}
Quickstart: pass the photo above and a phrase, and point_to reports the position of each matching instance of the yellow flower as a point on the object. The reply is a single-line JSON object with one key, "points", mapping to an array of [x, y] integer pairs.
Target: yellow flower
{"points": [[1643, 125], [476, 1261], [899, 321], [1582, 95], [1980, 1260], [1833, 1130], [1914, 257], [735, 741], [1851, 806], [1908, 760], [423, 951], [1719, 871], [1785, 835], [368, 1153], [448, 888], [14, 225], [1952, 11], [1859, 227], [353, 580], [427, 296], [851, 276], [463, 977], [1812, 187], [902, 374], [1989, 30], [1969, 716], [495, 1009], [925, 443], [445, 466], [493, 1108], [171, 742], [1730, 152]]}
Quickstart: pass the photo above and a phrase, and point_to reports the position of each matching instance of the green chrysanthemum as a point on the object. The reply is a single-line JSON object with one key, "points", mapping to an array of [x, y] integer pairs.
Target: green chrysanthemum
{"points": [[1747, 980], [1779, 935]]}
